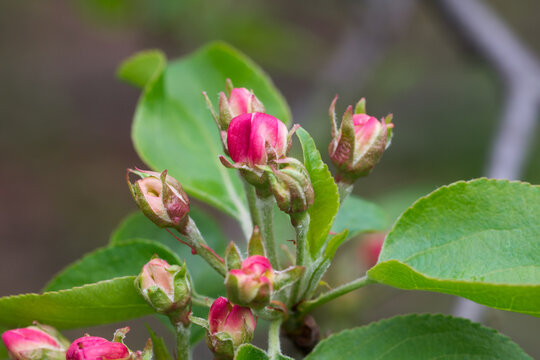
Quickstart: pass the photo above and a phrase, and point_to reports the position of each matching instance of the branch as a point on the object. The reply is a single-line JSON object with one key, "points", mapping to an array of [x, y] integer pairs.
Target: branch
{"points": [[520, 70]]}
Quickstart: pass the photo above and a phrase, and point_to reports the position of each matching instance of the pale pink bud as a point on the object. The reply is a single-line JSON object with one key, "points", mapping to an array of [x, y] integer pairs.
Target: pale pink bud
{"points": [[254, 139], [33, 343], [96, 348], [228, 327], [359, 143], [166, 288], [160, 197], [252, 284]]}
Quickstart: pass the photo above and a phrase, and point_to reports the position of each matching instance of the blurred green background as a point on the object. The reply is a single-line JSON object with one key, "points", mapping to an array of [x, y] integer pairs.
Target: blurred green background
{"points": [[66, 120]]}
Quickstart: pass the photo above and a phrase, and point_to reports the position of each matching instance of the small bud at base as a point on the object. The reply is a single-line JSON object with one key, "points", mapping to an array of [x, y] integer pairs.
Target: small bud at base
{"points": [[32, 343], [96, 348]]}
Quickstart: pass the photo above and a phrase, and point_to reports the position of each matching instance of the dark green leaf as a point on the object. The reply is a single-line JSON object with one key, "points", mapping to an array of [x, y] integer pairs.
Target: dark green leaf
{"points": [[206, 280], [100, 303], [117, 260], [418, 337], [477, 239], [174, 130], [326, 204]]}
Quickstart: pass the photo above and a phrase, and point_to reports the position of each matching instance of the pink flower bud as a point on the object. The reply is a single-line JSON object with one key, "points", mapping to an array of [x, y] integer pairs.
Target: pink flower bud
{"points": [[34, 342], [229, 326], [166, 288], [254, 139], [160, 197], [96, 348], [370, 249], [242, 101], [359, 143], [252, 284]]}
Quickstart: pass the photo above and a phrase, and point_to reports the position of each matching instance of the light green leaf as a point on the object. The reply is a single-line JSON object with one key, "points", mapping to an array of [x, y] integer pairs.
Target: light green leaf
{"points": [[118, 260], [206, 280], [142, 68], [250, 352], [326, 204], [478, 239], [418, 337], [100, 303], [360, 216], [174, 130]]}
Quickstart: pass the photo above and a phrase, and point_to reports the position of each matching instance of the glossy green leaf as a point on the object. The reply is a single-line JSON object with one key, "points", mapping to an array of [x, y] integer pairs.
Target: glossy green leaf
{"points": [[478, 239], [118, 260], [100, 303], [418, 337], [206, 280], [360, 216], [326, 204], [250, 352], [174, 130]]}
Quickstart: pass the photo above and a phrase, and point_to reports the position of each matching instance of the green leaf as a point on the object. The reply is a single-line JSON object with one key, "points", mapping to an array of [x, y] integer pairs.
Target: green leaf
{"points": [[206, 280], [478, 239], [326, 204], [142, 68], [418, 337], [250, 352], [100, 303], [118, 260], [174, 130], [158, 346], [360, 216]]}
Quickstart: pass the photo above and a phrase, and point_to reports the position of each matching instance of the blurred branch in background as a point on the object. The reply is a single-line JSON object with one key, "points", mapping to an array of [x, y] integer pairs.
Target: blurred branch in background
{"points": [[519, 69], [373, 27]]}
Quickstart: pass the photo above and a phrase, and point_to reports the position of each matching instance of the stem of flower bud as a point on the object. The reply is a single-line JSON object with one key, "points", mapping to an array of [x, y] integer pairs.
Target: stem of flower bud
{"points": [[183, 350], [344, 190], [265, 206], [274, 345], [252, 203], [301, 225], [307, 306], [194, 239]]}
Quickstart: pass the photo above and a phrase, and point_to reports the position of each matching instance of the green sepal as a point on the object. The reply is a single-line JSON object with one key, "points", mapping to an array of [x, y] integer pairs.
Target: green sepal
{"points": [[287, 277], [233, 257], [256, 244]]}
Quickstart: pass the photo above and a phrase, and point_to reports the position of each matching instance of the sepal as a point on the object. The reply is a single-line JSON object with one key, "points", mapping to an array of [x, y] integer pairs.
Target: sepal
{"points": [[256, 244], [233, 257], [287, 277]]}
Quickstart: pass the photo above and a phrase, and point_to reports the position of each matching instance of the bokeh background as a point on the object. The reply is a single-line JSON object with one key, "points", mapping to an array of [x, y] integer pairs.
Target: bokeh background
{"points": [[65, 138]]}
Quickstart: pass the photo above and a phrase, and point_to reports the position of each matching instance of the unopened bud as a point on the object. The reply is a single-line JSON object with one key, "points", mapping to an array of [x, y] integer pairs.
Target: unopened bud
{"points": [[97, 348], [166, 288], [291, 186], [35, 343], [229, 326], [160, 197], [252, 284], [359, 143], [240, 101]]}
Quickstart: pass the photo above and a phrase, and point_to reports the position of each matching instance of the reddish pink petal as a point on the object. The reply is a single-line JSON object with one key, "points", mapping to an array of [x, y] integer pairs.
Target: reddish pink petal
{"points": [[155, 273], [18, 340], [96, 348], [365, 126], [239, 316], [218, 314], [239, 101], [265, 130], [256, 264], [238, 137]]}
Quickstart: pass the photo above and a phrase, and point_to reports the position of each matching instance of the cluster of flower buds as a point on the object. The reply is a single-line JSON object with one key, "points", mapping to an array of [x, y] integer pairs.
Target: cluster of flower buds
{"points": [[35, 343], [359, 143], [160, 197], [41, 342], [166, 288]]}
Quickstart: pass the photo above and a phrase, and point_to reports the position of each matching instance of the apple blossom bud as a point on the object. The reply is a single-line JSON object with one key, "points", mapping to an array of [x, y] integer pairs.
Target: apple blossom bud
{"points": [[254, 139], [252, 284], [35, 343], [370, 249], [97, 348], [166, 288], [160, 197], [359, 143], [291, 186], [241, 101], [229, 326]]}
